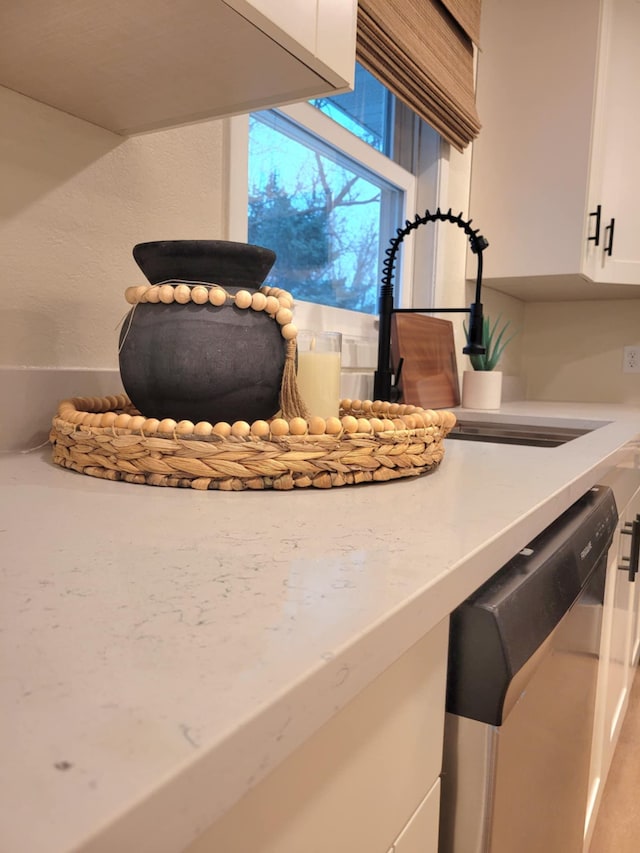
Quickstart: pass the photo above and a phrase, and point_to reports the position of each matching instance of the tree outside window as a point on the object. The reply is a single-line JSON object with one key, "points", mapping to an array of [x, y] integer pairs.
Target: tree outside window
{"points": [[327, 216]]}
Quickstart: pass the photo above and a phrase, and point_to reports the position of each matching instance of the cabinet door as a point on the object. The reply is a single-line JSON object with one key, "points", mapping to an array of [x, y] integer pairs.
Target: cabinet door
{"points": [[617, 657], [558, 143], [357, 781], [420, 835], [633, 514], [530, 163], [619, 627], [615, 162], [619, 647], [635, 628], [611, 691]]}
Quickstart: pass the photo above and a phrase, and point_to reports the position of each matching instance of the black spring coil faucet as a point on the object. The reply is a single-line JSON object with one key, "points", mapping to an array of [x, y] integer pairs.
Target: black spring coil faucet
{"points": [[383, 387]]}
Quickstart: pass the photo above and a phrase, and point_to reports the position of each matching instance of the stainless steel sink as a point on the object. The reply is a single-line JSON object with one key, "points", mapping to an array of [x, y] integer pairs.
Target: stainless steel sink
{"points": [[517, 433]]}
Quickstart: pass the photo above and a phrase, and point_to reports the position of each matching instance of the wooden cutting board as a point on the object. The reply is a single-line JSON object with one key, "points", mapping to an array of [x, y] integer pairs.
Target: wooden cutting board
{"points": [[429, 376]]}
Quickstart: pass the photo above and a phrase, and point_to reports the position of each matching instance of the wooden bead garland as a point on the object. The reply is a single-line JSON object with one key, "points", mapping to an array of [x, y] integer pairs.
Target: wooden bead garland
{"points": [[89, 411], [274, 300], [371, 440]]}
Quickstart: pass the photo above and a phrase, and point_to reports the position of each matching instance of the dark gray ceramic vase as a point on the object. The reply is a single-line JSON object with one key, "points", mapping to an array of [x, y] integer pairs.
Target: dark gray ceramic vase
{"points": [[202, 362]]}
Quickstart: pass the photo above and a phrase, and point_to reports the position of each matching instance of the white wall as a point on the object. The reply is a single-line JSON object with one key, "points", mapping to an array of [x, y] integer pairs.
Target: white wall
{"points": [[506, 309], [573, 350], [74, 200], [568, 351], [450, 289]]}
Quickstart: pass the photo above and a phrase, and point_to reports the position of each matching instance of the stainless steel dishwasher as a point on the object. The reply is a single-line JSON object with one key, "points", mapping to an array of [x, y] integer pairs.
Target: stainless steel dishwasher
{"points": [[521, 684]]}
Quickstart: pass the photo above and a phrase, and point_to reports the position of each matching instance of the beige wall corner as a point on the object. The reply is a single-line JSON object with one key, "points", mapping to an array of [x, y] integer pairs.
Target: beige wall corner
{"points": [[573, 351], [75, 201]]}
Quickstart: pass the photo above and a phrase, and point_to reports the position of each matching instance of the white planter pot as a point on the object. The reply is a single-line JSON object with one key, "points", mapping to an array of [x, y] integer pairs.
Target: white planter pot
{"points": [[481, 389]]}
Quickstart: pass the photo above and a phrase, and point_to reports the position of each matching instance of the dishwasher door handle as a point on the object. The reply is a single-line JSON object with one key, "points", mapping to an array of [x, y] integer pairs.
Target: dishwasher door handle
{"points": [[631, 563]]}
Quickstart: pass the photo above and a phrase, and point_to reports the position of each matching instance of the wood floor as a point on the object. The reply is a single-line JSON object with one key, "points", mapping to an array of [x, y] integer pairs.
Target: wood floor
{"points": [[618, 824]]}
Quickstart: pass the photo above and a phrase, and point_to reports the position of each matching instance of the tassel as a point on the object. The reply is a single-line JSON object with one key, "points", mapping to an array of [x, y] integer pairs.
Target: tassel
{"points": [[291, 403]]}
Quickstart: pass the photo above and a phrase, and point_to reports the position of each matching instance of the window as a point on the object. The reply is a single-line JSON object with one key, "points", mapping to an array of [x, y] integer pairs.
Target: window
{"points": [[368, 111], [323, 213], [328, 201], [327, 187]]}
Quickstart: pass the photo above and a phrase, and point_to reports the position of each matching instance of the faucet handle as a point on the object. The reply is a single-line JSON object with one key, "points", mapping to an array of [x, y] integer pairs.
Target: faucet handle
{"points": [[475, 334], [395, 391]]}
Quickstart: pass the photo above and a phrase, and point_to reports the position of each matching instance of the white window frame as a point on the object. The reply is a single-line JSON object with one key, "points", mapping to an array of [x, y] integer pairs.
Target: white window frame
{"points": [[415, 280]]}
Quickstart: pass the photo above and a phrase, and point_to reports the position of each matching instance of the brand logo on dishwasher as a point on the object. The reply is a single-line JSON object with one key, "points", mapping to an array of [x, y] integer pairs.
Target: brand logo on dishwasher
{"points": [[586, 550]]}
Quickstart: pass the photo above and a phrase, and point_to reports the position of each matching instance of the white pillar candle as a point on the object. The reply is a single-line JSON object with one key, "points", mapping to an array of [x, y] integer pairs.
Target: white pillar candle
{"points": [[319, 367]]}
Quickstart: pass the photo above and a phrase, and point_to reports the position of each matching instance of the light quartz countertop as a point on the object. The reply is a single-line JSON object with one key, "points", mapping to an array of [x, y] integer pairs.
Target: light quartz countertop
{"points": [[164, 649]]}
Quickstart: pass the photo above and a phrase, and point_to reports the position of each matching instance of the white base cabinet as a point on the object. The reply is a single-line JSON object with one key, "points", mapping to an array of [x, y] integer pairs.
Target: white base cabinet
{"points": [[619, 645], [557, 87], [368, 780]]}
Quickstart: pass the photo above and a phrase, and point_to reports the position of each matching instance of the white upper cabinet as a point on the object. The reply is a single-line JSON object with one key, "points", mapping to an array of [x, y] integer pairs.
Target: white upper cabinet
{"points": [[137, 66], [558, 90]]}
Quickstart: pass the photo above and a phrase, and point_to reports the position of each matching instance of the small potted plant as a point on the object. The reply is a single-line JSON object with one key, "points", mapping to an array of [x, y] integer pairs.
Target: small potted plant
{"points": [[482, 386]]}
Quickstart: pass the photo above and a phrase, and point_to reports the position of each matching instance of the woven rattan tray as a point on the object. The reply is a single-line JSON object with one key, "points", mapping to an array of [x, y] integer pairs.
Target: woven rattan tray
{"points": [[370, 442]]}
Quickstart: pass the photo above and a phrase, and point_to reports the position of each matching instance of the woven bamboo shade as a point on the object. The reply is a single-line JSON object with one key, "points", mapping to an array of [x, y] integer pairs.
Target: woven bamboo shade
{"points": [[422, 50], [467, 14]]}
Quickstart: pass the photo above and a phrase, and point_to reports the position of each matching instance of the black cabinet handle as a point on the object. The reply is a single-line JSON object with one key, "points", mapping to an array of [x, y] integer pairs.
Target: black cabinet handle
{"points": [[608, 249], [597, 213], [634, 557], [631, 565]]}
